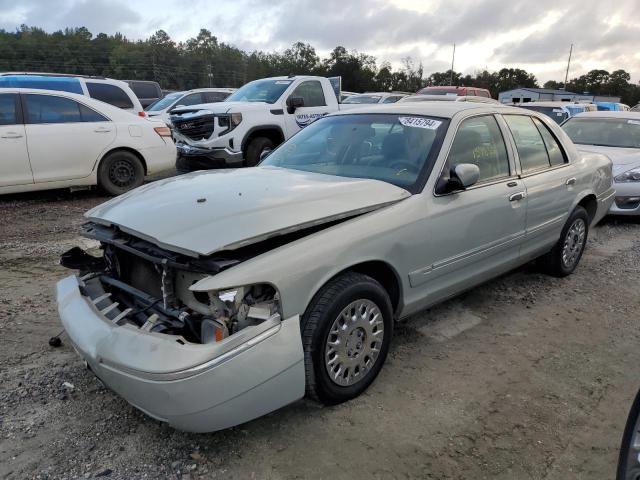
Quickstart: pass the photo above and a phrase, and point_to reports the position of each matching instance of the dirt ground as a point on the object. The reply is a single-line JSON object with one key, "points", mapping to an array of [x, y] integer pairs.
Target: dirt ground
{"points": [[526, 377]]}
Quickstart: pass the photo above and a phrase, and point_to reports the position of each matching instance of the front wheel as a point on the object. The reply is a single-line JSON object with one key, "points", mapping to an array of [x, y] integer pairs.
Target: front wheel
{"points": [[256, 149], [563, 259], [346, 333], [120, 172]]}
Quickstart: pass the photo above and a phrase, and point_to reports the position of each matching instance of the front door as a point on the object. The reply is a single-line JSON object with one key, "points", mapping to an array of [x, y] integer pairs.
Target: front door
{"points": [[65, 138], [14, 158], [476, 233], [315, 106]]}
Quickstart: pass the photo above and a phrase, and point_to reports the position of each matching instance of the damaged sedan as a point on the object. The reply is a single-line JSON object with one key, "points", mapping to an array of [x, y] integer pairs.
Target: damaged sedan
{"points": [[220, 296]]}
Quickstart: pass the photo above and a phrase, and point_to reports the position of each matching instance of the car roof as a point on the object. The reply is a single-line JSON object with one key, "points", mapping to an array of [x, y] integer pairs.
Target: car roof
{"points": [[609, 114], [436, 109], [211, 89], [547, 104]]}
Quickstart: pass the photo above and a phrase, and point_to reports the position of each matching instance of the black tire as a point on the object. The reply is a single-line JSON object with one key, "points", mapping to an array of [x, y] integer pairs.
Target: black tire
{"points": [[628, 464], [183, 166], [553, 262], [323, 311], [254, 150], [120, 172]]}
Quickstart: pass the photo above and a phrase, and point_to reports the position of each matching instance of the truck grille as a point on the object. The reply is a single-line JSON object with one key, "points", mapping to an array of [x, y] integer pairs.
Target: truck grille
{"points": [[199, 128]]}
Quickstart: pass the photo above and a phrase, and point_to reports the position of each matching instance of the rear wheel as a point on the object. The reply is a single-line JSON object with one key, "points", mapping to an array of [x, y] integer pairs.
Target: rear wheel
{"points": [[120, 172], [346, 335], [563, 259], [256, 148]]}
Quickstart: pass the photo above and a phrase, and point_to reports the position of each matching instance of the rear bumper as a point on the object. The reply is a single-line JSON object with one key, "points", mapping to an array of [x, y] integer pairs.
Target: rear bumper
{"points": [[198, 388], [604, 201], [627, 199], [196, 158], [160, 158]]}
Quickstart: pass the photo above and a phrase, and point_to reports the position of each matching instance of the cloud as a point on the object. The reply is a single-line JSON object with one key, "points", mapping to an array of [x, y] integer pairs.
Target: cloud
{"points": [[534, 35]]}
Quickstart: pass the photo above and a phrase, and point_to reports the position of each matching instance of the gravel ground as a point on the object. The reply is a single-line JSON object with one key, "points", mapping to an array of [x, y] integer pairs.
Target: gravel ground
{"points": [[526, 377]]}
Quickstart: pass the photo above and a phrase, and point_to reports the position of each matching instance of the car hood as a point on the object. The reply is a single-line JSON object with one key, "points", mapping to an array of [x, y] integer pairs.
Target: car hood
{"points": [[204, 212], [222, 107], [623, 159]]}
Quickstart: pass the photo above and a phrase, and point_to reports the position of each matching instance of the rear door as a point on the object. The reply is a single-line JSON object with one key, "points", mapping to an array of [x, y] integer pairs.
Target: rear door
{"points": [[315, 106], [548, 179], [14, 159], [65, 138]]}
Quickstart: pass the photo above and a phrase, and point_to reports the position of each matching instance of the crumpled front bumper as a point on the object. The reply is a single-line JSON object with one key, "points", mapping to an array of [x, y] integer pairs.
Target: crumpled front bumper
{"points": [[192, 158], [198, 388]]}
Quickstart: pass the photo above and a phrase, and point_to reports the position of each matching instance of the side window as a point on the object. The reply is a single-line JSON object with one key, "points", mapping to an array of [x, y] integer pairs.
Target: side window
{"points": [[482, 93], [51, 109], [8, 109], [215, 96], [312, 93], [109, 94], [479, 141], [531, 148], [556, 154], [90, 115], [391, 99], [193, 99]]}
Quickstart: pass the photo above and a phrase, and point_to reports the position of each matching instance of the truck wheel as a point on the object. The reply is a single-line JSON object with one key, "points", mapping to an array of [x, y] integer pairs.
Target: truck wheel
{"points": [[563, 259], [256, 148], [120, 172], [346, 333]]}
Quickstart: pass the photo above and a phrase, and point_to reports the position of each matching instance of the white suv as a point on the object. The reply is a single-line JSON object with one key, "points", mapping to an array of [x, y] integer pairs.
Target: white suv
{"points": [[57, 139], [108, 90], [161, 107]]}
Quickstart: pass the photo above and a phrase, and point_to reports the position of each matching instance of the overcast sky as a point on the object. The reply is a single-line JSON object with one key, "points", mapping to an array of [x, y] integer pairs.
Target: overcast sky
{"points": [[531, 34]]}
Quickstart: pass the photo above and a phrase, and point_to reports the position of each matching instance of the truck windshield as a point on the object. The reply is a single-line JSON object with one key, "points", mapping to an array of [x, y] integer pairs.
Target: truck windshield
{"points": [[268, 91], [362, 99], [165, 102], [605, 132], [397, 149]]}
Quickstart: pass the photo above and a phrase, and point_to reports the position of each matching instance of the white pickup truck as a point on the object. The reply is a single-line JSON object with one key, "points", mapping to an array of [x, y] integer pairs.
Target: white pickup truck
{"points": [[256, 118]]}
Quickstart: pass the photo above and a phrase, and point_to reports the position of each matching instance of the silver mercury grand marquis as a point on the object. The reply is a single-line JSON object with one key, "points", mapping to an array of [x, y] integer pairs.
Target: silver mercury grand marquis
{"points": [[221, 296]]}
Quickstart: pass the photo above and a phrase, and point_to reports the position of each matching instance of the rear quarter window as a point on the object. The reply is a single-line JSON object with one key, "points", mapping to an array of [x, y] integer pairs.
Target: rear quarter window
{"points": [[110, 94], [145, 90]]}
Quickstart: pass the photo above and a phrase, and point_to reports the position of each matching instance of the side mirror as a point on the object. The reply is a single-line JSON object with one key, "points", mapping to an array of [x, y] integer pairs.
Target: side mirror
{"points": [[293, 103], [463, 176]]}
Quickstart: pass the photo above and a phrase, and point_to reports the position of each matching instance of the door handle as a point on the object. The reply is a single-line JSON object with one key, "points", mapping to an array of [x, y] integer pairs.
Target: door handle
{"points": [[102, 130], [570, 181], [12, 135], [517, 196]]}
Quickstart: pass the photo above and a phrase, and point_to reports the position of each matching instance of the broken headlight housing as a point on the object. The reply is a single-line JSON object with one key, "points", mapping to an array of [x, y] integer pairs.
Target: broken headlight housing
{"points": [[237, 308]]}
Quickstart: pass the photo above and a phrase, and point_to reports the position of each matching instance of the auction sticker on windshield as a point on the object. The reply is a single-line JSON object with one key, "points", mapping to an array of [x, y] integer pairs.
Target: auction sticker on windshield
{"points": [[419, 122], [283, 82]]}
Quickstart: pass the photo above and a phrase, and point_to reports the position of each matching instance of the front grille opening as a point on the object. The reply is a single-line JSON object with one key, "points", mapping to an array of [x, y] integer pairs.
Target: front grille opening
{"points": [[200, 128]]}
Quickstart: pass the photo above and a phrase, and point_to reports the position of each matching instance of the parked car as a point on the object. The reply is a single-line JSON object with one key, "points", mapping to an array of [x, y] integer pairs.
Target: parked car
{"points": [[146, 91], [54, 139], [629, 456], [617, 135], [108, 90], [253, 120], [373, 97], [163, 106], [345, 94], [557, 111], [449, 98], [612, 107], [224, 295], [452, 90], [636, 108]]}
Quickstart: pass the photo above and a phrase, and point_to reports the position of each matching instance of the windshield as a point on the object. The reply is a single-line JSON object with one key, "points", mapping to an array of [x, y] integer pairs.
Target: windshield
{"points": [[606, 132], [556, 114], [164, 102], [438, 91], [362, 99], [388, 147], [268, 91]]}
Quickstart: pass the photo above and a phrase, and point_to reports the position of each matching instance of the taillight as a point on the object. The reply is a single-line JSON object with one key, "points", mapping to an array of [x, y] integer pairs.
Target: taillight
{"points": [[142, 114], [163, 131]]}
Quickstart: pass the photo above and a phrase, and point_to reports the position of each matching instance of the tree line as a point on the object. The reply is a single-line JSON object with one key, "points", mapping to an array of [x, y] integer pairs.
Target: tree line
{"points": [[203, 61]]}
